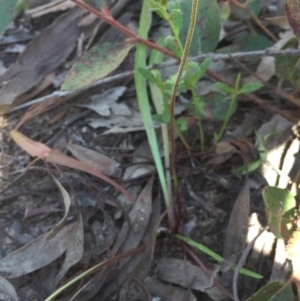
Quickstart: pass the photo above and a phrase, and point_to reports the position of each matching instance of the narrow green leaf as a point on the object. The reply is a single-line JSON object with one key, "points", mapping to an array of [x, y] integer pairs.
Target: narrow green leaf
{"points": [[214, 255], [249, 88], [224, 88], [95, 64], [148, 75], [7, 10], [273, 291]]}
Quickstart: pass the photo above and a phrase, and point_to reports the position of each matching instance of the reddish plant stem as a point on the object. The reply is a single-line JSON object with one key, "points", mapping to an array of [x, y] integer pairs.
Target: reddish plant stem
{"points": [[105, 15]]}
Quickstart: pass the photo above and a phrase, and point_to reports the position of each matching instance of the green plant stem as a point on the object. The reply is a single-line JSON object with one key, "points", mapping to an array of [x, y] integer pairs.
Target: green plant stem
{"points": [[173, 100], [229, 112]]}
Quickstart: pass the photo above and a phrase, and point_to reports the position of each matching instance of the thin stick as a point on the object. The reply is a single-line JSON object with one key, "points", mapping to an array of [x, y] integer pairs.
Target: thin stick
{"points": [[240, 264]]}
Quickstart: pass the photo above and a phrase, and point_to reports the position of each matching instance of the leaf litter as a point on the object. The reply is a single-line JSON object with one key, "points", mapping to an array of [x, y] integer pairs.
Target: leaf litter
{"points": [[113, 112]]}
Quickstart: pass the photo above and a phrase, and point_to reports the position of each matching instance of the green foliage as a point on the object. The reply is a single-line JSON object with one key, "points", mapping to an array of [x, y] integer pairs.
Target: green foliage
{"points": [[7, 10], [273, 291], [214, 255], [280, 207]]}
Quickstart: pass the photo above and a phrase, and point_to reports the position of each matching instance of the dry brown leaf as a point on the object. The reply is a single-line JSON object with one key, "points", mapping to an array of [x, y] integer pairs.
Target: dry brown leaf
{"points": [[43, 55], [224, 150], [99, 161], [167, 292], [46, 248], [67, 203], [139, 265], [30, 257], [237, 229], [129, 237], [183, 273]]}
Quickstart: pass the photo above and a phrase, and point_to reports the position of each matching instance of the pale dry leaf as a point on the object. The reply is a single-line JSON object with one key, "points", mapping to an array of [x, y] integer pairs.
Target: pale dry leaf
{"points": [[120, 124], [67, 203], [280, 21], [185, 274], [7, 291], [129, 237], [237, 229], [74, 250], [139, 264], [105, 104], [277, 131], [104, 164], [52, 7], [137, 170], [41, 57], [37, 254]]}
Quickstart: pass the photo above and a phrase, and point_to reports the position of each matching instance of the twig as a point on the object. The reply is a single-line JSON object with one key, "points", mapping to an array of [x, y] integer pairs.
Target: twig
{"points": [[199, 58], [240, 264]]}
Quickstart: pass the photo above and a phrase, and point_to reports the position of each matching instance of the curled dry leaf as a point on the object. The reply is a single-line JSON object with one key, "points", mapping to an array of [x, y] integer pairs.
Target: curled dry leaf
{"points": [[53, 156], [67, 203]]}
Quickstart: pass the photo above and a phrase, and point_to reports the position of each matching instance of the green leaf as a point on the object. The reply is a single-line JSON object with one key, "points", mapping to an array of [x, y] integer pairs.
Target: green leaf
{"points": [[160, 9], [170, 43], [216, 106], [287, 67], [176, 19], [148, 75], [182, 123], [248, 43], [198, 72], [162, 118], [224, 9], [7, 10], [249, 88], [253, 166], [273, 291], [280, 208], [96, 64], [224, 88], [207, 31]]}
